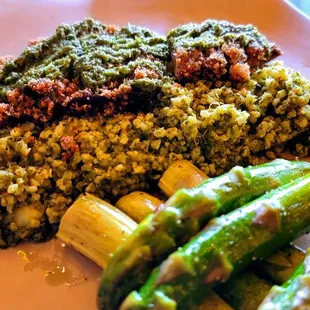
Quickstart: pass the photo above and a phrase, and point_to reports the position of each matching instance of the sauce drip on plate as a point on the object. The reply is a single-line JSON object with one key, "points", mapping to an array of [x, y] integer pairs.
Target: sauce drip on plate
{"points": [[54, 266]]}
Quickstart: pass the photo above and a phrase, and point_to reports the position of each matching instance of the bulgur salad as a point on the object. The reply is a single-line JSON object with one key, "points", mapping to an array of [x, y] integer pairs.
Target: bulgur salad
{"points": [[105, 110]]}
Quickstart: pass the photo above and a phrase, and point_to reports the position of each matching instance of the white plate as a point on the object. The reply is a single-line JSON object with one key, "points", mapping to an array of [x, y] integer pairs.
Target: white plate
{"points": [[23, 20]]}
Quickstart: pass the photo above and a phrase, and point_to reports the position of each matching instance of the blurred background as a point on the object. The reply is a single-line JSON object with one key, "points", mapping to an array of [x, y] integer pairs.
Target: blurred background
{"points": [[303, 5]]}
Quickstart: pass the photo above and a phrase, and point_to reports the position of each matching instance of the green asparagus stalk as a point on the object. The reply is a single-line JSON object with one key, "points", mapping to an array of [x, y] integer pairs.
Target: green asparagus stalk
{"points": [[213, 302], [181, 217], [247, 290], [244, 291], [280, 266], [225, 246], [293, 294], [277, 268]]}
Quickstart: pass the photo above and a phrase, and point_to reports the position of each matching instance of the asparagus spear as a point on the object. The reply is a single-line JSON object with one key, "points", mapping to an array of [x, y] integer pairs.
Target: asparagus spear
{"points": [[280, 266], [181, 174], [181, 217], [95, 228], [244, 291], [293, 294], [247, 290], [213, 302], [225, 246], [138, 205]]}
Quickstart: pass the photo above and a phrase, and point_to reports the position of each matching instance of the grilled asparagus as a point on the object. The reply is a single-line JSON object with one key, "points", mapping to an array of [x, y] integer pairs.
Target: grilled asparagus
{"points": [[280, 266], [95, 228], [225, 246], [293, 294], [181, 217], [181, 174], [138, 205], [245, 291]]}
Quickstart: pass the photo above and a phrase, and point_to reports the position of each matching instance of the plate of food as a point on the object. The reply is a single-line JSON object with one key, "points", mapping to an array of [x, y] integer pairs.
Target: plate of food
{"points": [[154, 155]]}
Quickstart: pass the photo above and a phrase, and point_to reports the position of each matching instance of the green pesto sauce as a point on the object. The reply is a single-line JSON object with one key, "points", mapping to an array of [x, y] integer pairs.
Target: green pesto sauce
{"points": [[87, 51], [213, 34]]}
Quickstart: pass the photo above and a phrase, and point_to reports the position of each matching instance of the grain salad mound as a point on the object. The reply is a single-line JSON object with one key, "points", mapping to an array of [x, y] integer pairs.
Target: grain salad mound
{"points": [[216, 125]]}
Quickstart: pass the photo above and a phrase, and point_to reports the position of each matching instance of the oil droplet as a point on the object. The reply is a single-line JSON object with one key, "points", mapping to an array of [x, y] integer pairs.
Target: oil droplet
{"points": [[55, 267], [24, 255]]}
